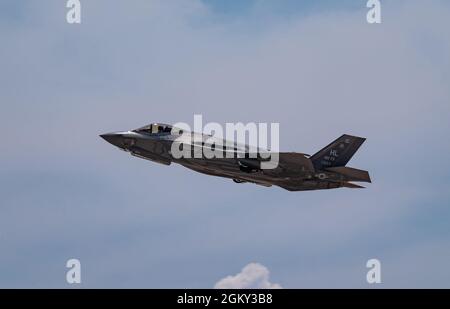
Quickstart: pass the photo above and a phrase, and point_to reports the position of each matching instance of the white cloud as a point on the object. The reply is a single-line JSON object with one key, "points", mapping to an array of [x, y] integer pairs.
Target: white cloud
{"points": [[252, 276]]}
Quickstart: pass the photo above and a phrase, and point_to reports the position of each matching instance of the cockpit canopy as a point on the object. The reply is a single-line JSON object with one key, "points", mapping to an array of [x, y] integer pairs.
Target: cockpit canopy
{"points": [[158, 128]]}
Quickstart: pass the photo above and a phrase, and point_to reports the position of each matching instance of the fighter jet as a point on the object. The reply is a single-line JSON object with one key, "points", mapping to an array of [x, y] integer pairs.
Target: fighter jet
{"points": [[295, 171]]}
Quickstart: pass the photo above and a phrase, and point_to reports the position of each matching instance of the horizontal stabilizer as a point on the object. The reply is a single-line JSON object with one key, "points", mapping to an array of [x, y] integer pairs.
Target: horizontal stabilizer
{"points": [[351, 174]]}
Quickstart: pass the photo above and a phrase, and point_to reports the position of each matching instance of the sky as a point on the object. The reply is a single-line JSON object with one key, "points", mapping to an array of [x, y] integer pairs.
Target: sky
{"points": [[317, 68]]}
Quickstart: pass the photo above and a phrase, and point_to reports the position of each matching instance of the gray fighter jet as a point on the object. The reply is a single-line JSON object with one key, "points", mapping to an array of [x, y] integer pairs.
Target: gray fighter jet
{"points": [[295, 171]]}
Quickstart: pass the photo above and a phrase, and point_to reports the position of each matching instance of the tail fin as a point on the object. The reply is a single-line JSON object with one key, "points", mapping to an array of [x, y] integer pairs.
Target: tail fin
{"points": [[338, 153]]}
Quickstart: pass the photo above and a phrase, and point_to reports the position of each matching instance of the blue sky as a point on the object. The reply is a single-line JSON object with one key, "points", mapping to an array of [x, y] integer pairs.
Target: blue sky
{"points": [[318, 69], [283, 7]]}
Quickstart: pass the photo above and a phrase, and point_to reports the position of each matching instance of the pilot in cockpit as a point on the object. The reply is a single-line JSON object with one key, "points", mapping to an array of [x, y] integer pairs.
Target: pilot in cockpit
{"points": [[155, 128]]}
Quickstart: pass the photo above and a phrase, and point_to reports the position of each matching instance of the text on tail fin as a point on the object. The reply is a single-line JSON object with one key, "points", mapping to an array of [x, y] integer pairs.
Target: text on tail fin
{"points": [[338, 153]]}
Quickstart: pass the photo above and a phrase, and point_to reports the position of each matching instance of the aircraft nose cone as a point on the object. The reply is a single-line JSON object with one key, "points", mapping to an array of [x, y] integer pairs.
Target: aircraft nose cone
{"points": [[113, 138]]}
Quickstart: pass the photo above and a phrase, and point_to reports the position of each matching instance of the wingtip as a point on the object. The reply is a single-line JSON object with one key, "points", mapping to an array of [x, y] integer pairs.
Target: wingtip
{"points": [[354, 136], [352, 186]]}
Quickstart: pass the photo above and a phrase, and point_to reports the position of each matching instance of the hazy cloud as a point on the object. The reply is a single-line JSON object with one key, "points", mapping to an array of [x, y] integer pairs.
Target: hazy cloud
{"points": [[252, 276]]}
